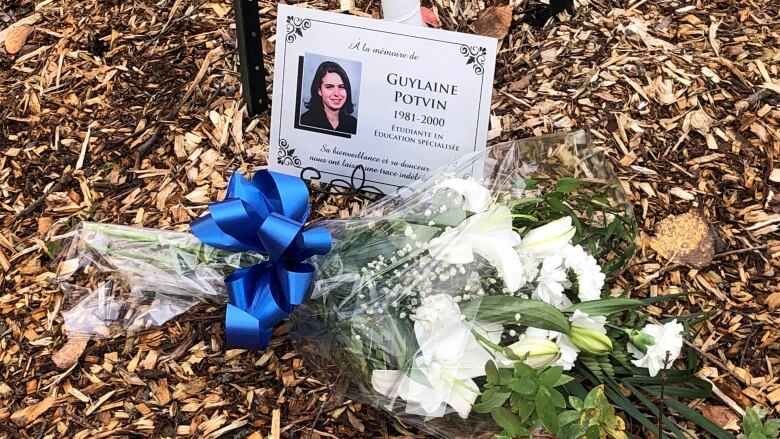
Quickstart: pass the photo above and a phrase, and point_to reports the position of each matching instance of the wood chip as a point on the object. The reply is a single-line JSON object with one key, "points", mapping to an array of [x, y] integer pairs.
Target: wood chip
{"points": [[29, 414], [70, 353], [91, 409]]}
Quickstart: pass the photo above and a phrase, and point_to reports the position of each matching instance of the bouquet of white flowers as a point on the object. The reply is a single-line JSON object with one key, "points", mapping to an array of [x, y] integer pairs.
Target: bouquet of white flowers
{"points": [[460, 304]]}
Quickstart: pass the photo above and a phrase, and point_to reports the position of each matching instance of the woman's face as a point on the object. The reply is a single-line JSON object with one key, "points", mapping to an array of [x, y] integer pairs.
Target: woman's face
{"points": [[333, 91]]}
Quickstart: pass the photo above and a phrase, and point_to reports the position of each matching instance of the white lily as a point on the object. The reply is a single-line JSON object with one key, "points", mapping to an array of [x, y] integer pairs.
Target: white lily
{"points": [[548, 239], [652, 355], [450, 356], [488, 234], [476, 198]]}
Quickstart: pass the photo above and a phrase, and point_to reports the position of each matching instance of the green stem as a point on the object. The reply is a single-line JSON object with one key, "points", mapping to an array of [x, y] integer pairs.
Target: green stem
{"points": [[149, 244], [190, 245], [487, 342]]}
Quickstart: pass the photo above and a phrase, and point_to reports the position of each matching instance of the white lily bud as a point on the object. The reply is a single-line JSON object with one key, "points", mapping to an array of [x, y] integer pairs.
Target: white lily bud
{"points": [[535, 352], [590, 341], [548, 239]]}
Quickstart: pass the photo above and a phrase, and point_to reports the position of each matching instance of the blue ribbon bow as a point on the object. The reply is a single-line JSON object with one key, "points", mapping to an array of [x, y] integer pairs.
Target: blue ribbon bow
{"points": [[265, 215]]}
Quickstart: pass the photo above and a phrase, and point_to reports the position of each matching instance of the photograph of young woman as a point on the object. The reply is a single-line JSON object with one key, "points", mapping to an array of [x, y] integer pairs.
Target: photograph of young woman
{"points": [[330, 106]]}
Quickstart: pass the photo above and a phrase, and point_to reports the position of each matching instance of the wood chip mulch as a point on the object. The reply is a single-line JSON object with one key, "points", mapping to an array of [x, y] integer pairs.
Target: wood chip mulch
{"points": [[131, 112]]}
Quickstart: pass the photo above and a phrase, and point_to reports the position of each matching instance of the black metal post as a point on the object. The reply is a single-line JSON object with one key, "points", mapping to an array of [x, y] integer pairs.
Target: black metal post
{"points": [[250, 55]]}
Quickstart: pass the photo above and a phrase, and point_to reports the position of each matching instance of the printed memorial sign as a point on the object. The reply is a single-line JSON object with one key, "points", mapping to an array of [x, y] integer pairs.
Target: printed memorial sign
{"points": [[397, 100]]}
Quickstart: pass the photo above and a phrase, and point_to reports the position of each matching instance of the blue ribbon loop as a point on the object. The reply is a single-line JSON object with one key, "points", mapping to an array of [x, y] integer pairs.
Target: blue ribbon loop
{"points": [[265, 215]]}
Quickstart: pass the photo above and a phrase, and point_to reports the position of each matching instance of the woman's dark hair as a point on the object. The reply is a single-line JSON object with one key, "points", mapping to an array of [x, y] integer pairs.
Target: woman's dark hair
{"points": [[315, 102]]}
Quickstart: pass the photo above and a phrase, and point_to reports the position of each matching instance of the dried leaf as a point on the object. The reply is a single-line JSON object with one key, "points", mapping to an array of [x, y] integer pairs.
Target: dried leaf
{"points": [[723, 416], [26, 21], [16, 37], [494, 22], [70, 352], [686, 239], [355, 421], [430, 18]]}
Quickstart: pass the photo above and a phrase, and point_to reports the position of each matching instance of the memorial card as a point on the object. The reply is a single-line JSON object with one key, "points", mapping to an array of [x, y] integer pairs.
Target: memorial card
{"points": [[397, 100]]}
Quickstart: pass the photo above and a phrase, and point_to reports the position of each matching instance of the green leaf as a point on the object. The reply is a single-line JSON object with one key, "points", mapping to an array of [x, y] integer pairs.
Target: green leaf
{"points": [[772, 428], [685, 392], [611, 229], [557, 398], [563, 380], [705, 423], [514, 401], [605, 307], [53, 248], [592, 399], [554, 201], [533, 183], [491, 399], [576, 403], [550, 377], [505, 309], [630, 408], [491, 372], [508, 421], [593, 432], [520, 202], [505, 374], [568, 417], [524, 387], [546, 412], [524, 371], [450, 218], [568, 184], [570, 431], [621, 402], [751, 422], [656, 299], [526, 408]]}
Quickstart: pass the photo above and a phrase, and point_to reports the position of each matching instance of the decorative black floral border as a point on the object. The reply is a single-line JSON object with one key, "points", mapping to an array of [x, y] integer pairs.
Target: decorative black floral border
{"points": [[356, 183], [339, 186], [475, 55], [286, 155], [295, 27]]}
